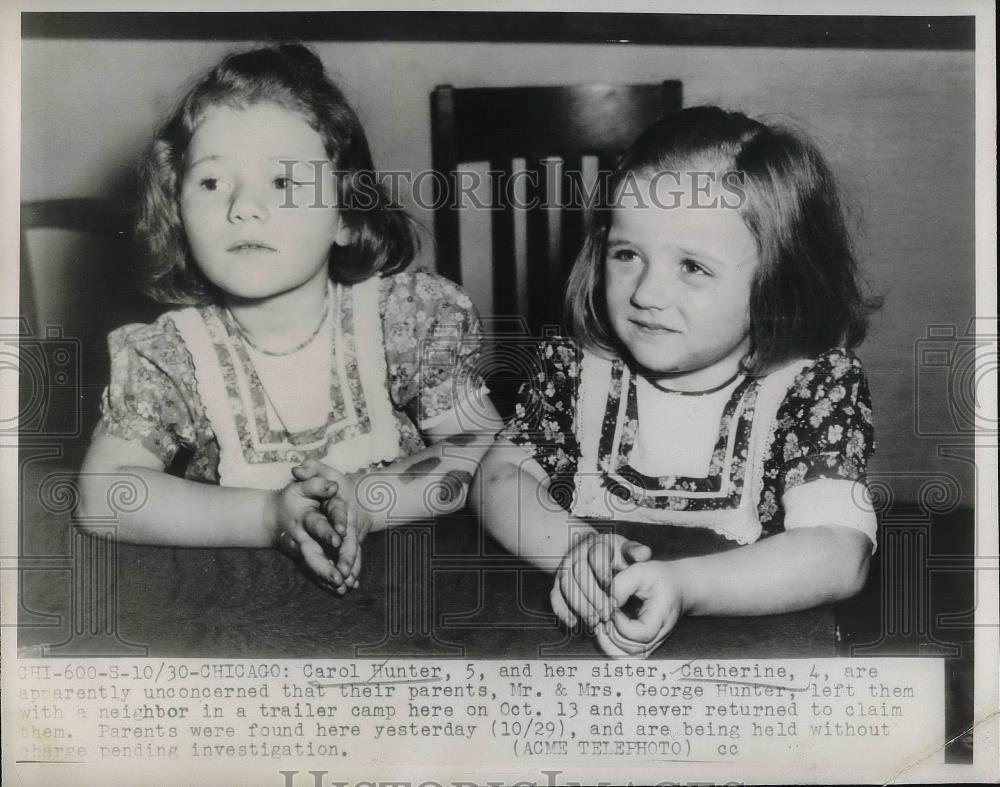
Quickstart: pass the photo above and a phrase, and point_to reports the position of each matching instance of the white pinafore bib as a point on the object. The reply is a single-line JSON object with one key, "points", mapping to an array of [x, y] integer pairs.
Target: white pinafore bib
{"points": [[728, 506], [361, 434]]}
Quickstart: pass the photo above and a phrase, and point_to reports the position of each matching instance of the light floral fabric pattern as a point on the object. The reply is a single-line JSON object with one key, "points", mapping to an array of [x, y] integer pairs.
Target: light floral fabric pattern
{"points": [[821, 429], [431, 334]]}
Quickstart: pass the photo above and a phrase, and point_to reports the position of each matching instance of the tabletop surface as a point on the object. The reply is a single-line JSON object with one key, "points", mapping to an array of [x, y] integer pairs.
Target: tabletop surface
{"points": [[430, 589]]}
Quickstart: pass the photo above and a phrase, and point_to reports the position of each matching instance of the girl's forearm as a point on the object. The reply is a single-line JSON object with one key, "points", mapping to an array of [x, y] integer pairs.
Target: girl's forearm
{"points": [[797, 569], [430, 483], [513, 504], [171, 511], [434, 481]]}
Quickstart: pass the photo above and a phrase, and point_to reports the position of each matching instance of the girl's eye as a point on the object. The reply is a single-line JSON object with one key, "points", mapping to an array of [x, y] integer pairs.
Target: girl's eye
{"points": [[282, 183], [212, 183], [624, 255], [690, 266]]}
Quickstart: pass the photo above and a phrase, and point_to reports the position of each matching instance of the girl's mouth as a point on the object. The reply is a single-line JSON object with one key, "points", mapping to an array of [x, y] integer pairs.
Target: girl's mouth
{"points": [[250, 246], [648, 327]]}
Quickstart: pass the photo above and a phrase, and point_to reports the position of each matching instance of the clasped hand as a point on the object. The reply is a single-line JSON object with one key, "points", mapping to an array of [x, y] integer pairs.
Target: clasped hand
{"points": [[598, 575], [319, 524]]}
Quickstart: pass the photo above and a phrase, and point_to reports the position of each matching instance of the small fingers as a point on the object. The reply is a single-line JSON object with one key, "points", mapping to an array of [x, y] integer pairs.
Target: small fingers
{"points": [[589, 583], [632, 581], [635, 630], [318, 526], [634, 552], [337, 513], [575, 595], [563, 612], [348, 553], [601, 558], [660, 608], [313, 467], [316, 561], [287, 544], [305, 471], [617, 645], [319, 488], [608, 642], [354, 575]]}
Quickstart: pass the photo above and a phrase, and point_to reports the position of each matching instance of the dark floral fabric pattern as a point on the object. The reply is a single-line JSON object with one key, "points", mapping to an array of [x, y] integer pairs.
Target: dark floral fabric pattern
{"points": [[430, 331], [544, 420], [822, 429]]}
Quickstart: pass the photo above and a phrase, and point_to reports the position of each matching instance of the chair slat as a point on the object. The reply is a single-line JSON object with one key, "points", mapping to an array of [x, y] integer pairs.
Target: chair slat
{"points": [[506, 284], [500, 124]]}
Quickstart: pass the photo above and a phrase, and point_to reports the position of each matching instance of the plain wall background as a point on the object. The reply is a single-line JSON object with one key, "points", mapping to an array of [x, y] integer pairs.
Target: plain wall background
{"points": [[897, 126]]}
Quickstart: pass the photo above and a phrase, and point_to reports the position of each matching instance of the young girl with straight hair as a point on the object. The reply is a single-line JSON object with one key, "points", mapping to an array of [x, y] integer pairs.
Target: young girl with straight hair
{"points": [[711, 385]]}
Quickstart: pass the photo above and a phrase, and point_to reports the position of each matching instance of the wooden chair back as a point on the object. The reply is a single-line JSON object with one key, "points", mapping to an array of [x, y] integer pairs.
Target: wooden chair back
{"points": [[544, 147]]}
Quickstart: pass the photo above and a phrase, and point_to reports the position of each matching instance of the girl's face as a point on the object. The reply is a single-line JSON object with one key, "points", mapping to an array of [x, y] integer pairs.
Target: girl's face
{"points": [[678, 277], [254, 231]]}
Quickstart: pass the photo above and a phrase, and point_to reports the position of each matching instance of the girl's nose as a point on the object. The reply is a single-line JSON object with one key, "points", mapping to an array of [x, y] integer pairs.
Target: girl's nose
{"points": [[248, 205], [655, 287]]}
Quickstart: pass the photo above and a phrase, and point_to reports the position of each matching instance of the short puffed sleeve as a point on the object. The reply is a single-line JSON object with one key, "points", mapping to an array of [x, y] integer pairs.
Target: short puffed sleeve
{"points": [[149, 397], [433, 343], [823, 440], [544, 417]]}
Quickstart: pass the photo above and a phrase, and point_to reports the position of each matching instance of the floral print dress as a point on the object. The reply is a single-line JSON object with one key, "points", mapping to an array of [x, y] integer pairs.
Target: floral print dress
{"points": [[784, 450], [425, 329]]}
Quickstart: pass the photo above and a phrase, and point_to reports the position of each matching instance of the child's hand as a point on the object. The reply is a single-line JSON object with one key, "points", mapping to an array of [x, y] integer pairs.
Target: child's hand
{"points": [[343, 513], [303, 532], [657, 585], [585, 575]]}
